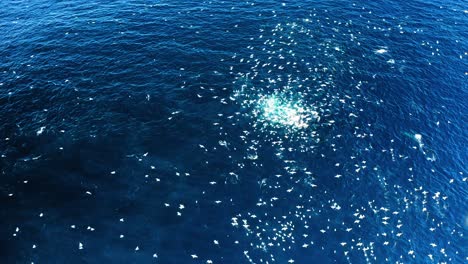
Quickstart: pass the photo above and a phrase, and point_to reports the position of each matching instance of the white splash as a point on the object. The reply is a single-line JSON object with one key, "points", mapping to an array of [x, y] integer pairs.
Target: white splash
{"points": [[40, 130], [277, 110], [418, 138], [381, 51]]}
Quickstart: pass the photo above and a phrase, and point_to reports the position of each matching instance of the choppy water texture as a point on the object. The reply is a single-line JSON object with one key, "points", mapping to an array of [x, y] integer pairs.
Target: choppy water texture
{"points": [[233, 132]]}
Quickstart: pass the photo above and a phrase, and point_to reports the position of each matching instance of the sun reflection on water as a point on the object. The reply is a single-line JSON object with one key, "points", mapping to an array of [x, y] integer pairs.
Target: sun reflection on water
{"points": [[279, 111]]}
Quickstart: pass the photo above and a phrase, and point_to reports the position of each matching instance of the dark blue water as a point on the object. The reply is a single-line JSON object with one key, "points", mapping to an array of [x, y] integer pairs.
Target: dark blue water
{"points": [[233, 132]]}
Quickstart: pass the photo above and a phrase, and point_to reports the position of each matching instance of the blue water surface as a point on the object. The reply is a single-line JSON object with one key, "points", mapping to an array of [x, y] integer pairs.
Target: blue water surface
{"points": [[146, 131]]}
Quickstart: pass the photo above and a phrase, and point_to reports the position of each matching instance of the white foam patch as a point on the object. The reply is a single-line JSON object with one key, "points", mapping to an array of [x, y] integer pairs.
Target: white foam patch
{"points": [[381, 51]]}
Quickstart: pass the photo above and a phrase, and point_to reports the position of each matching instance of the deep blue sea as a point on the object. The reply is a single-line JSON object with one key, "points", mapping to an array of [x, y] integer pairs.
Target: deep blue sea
{"points": [[144, 131]]}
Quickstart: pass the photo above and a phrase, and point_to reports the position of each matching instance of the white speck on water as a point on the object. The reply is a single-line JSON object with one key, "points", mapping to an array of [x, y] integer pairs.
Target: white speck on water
{"points": [[40, 130], [381, 51]]}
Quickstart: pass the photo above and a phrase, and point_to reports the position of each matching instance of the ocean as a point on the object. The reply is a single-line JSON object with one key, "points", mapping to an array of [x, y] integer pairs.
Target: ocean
{"points": [[141, 131]]}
